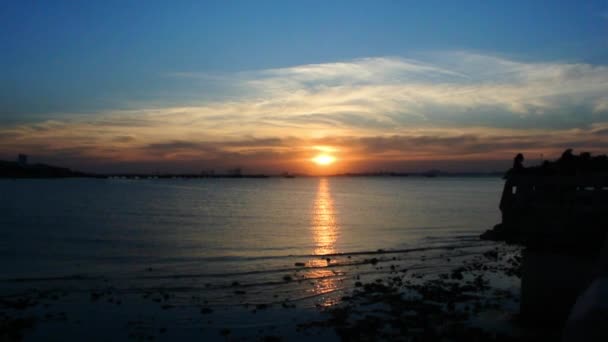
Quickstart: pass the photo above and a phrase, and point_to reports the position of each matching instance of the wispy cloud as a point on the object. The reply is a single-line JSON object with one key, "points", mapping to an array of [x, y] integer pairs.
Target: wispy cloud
{"points": [[452, 105], [454, 88]]}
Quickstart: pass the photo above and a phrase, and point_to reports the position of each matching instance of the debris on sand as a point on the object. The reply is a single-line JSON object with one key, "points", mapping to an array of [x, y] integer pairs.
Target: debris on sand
{"points": [[407, 308]]}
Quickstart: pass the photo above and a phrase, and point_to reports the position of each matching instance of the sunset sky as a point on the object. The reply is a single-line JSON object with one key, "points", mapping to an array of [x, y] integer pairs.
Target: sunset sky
{"points": [[146, 86]]}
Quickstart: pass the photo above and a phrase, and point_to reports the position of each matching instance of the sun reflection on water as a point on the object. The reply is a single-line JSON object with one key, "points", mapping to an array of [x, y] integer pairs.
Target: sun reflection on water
{"points": [[325, 233], [324, 225]]}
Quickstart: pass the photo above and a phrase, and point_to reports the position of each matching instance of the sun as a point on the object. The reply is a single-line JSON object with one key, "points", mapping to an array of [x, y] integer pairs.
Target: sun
{"points": [[323, 159]]}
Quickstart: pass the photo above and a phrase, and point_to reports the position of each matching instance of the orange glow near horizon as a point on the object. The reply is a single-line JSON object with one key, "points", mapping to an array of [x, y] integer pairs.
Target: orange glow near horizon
{"points": [[324, 159]]}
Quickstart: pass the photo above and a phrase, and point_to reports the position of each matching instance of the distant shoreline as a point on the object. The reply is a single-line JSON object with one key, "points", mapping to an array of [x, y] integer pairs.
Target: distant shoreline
{"points": [[16, 170], [187, 176], [345, 175]]}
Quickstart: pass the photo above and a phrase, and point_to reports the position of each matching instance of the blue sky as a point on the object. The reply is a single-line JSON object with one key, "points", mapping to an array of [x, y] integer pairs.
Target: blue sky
{"points": [[76, 63], [84, 55]]}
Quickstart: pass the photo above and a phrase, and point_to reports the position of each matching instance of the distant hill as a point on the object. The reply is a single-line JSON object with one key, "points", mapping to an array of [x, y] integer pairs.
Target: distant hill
{"points": [[10, 169]]}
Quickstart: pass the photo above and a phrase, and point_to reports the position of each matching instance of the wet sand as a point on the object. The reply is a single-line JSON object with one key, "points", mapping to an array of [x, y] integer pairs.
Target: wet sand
{"points": [[468, 292]]}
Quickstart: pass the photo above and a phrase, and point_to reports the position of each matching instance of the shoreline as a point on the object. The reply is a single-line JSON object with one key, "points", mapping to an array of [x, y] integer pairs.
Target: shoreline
{"points": [[387, 296]]}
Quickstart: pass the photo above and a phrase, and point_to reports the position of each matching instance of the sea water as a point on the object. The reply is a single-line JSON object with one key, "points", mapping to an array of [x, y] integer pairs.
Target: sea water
{"points": [[212, 234]]}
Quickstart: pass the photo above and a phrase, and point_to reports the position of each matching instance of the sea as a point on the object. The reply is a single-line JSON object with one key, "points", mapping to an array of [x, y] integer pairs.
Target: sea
{"points": [[235, 242]]}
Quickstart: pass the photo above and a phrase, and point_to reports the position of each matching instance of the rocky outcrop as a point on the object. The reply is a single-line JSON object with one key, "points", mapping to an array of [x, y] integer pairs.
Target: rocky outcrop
{"points": [[559, 205]]}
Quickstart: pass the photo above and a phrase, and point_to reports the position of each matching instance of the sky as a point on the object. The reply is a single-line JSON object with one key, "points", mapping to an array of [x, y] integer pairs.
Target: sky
{"points": [[179, 86]]}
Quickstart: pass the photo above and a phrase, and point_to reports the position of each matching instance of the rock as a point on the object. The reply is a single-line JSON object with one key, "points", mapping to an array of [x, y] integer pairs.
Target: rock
{"points": [[491, 254], [95, 296], [457, 273]]}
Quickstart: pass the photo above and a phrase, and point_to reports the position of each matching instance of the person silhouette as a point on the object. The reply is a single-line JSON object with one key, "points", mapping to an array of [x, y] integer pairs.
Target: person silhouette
{"points": [[518, 166], [518, 162]]}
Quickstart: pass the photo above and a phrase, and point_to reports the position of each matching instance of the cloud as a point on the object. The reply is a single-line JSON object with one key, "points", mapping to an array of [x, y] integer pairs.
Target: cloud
{"points": [[124, 138], [450, 105], [453, 88], [449, 89], [356, 153]]}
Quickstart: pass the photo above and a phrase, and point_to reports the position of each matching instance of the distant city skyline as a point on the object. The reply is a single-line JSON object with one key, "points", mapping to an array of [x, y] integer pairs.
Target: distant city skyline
{"points": [[270, 86]]}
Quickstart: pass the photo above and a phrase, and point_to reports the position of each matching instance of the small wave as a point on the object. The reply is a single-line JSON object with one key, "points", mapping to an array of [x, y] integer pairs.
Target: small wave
{"points": [[319, 256], [57, 278], [334, 264]]}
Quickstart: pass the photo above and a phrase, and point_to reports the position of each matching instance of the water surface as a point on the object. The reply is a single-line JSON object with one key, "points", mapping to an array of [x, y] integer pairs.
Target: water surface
{"points": [[208, 232]]}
